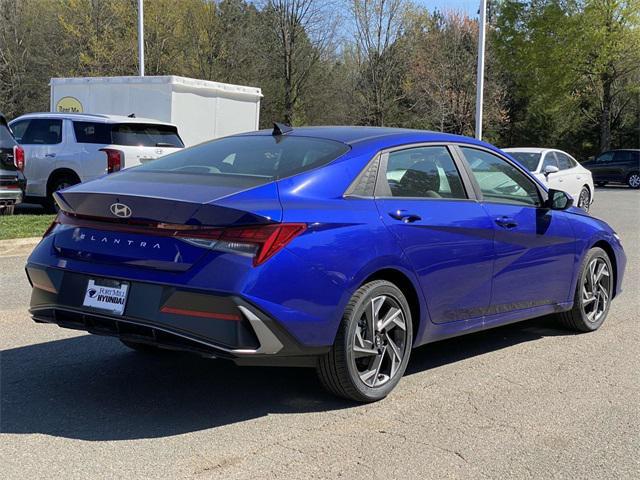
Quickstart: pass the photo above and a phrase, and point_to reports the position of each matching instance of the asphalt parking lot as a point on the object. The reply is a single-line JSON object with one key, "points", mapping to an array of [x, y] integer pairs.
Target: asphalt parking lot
{"points": [[523, 401]]}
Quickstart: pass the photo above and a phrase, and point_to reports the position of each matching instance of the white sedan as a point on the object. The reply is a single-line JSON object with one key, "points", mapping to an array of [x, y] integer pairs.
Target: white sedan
{"points": [[558, 170]]}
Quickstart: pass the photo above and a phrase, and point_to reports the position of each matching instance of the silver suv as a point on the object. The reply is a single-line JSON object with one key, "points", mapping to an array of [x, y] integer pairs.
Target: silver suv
{"points": [[62, 149]]}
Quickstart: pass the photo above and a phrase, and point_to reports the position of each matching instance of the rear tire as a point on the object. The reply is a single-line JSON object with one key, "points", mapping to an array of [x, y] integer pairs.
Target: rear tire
{"points": [[633, 180], [58, 183], [592, 297], [373, 344]]}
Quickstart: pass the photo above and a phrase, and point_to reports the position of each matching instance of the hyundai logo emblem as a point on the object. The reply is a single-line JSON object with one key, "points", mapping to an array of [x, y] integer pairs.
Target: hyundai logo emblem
{"points": [[120, 210]]}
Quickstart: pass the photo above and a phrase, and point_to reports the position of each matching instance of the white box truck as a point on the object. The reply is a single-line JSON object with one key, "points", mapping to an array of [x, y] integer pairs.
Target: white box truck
{"points": [[201, 109]]}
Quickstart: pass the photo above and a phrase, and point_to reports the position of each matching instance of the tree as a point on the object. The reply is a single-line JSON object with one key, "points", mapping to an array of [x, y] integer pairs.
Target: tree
{"points": [[441, 82], [303, 30], [379, 57]]}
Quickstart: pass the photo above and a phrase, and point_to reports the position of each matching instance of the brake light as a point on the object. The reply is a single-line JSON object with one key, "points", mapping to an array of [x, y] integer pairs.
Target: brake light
{"points": [[114, 159], [260, 242], [18, 157]]}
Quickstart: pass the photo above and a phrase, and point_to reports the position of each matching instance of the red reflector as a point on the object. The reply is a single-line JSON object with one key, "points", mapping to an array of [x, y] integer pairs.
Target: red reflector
{"points": [[18, 157], [201, 314]]}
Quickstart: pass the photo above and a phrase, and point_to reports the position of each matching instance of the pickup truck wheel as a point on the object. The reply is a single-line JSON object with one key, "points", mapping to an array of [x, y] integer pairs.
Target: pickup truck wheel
{"points": [[58, 183], [633, 180]]}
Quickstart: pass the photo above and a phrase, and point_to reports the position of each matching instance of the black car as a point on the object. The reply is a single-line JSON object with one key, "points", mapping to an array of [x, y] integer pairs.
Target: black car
{"points": [[616, 166], [12, 181]]}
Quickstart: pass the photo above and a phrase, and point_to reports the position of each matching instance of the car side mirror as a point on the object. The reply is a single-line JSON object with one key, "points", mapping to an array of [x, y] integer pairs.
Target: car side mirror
{"points": [[549, 169], [558, 200]]}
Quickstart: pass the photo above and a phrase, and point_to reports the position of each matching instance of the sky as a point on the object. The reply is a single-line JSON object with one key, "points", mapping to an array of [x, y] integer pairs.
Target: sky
{"points": [[468, 6]]}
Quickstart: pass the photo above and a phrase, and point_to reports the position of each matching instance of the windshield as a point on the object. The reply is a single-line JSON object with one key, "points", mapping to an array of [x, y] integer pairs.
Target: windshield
{"points": [[268, 157], [529, 160]]}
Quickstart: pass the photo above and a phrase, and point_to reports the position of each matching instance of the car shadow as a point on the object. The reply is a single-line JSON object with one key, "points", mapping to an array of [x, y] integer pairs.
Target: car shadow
{"points": [[93, 388]]}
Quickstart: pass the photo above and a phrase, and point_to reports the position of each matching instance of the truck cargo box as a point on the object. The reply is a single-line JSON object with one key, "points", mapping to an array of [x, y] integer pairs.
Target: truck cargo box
{"points": [[201, 109]]}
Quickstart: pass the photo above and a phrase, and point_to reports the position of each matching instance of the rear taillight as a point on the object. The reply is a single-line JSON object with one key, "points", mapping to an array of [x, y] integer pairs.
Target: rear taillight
{"points": [[260, 242], [18, 157], [114, 159]]}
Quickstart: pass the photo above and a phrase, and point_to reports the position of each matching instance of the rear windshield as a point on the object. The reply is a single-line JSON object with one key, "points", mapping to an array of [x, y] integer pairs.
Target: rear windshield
{"points": [[265, 156], [128, 134], [6, 139], [528, 160]]}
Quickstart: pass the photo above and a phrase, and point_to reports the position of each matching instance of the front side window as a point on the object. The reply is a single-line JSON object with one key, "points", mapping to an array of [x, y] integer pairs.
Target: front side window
{"points": [[528, 160], [564, 161], [427, 172], [499, 180], [550, 160], [264, 156], [606, 157], [42, 131]]}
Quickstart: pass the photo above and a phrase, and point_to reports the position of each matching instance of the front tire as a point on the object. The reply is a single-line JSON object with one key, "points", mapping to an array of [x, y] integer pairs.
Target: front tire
{"points": [[584, 199], [373, 344], [633, 180], [593, 293]]}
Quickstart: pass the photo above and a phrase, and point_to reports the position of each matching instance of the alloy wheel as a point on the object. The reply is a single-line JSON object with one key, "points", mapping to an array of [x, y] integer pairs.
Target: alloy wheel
{"points": [[634, 180], [379, 341], [596, 290], [583, 200]]}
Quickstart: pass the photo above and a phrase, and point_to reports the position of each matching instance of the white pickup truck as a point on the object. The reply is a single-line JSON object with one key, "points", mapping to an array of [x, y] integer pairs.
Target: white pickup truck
{"points": [[62, 149]]}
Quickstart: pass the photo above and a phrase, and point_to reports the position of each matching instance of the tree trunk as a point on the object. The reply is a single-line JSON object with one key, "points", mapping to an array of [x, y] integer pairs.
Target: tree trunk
{"points": [[605, 114]]}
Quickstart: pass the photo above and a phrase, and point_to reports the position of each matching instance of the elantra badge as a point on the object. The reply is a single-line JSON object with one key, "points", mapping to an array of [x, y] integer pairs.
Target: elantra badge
{"points": [[120, 210]]}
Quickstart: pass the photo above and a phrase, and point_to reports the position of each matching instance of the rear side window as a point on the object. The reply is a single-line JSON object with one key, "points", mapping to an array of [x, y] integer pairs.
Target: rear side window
{"points": [[145, 135], [627, 156], [424, 172], [263, 156], [91, 132], [42, 131]]}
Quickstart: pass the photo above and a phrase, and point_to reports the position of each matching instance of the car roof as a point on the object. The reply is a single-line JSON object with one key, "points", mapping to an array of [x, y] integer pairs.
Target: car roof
{"points": [[530, 149], [92, 117], [384, 136]]}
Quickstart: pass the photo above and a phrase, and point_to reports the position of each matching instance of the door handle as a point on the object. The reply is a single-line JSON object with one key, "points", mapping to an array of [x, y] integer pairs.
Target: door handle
{"points": [[506, 222], [50, 155], [405, 216]]}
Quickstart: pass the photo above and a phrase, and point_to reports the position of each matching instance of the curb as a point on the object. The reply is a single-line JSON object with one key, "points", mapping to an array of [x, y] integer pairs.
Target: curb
{"points": [[18, 246]]}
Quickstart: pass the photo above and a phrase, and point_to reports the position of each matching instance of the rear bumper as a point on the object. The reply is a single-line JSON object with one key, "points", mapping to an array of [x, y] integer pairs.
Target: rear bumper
{"points": [[222, 326]]}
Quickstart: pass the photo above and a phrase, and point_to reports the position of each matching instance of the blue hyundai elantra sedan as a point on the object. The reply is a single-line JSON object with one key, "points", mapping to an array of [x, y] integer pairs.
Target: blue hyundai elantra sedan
{"points": [[339, 248]]}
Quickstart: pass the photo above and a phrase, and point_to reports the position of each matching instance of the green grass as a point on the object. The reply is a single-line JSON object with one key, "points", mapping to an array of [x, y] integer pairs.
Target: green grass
{"points": [[20, 226]]}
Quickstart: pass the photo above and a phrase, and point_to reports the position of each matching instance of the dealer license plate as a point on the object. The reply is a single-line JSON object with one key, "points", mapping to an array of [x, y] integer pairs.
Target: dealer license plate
{"points": [[107, 295]]}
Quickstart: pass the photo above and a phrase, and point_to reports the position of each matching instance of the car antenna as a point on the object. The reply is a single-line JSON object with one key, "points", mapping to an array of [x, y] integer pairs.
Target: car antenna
{"points": [[131, 115], [281, 129]]}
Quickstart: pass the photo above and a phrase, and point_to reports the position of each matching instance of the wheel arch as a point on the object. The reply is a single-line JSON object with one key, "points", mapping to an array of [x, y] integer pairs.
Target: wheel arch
{"points": [[61, 172]]}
